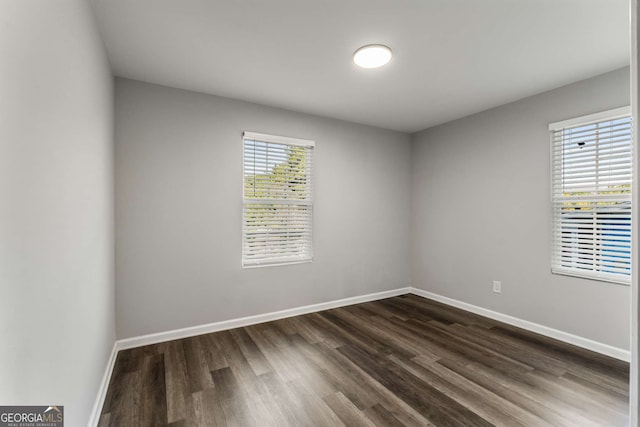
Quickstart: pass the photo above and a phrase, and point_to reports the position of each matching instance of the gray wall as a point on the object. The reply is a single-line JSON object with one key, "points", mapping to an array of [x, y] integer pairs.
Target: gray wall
{"points": [[480, 211], [178, 193], [57, 324]]}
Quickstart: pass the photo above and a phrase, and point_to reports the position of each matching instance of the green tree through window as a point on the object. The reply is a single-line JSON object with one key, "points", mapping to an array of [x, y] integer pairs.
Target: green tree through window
{"points": [[277, 201]]}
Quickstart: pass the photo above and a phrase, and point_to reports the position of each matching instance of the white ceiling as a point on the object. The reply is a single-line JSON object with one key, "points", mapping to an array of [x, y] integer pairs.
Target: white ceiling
{"points": [[452, 58]]}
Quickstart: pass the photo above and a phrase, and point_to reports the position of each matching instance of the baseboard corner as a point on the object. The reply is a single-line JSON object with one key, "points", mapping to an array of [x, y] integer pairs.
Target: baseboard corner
{"points": [[104, 386]]}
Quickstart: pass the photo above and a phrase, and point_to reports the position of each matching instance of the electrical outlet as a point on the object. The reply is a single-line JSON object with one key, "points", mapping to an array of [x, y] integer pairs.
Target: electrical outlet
{"points": [[497, 286]]}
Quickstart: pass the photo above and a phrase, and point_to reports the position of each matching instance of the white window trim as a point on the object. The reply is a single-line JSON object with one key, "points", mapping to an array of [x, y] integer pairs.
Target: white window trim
{"points": [[616, 113], [585, 120], [278, 139], [271, 262]]}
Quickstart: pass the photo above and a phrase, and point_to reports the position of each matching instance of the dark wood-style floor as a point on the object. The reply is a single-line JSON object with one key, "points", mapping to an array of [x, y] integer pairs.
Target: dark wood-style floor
{"points": [[400, 361]]}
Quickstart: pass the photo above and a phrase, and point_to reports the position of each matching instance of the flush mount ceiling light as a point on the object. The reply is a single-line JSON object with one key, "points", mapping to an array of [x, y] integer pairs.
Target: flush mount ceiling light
{"points": [[372, 56]]}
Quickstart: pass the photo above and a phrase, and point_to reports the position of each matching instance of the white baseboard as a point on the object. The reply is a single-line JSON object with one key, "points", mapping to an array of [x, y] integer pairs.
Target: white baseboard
{"points": [[252, 320], [579, 341], [159, 337], [221, 326], [104, 386]]}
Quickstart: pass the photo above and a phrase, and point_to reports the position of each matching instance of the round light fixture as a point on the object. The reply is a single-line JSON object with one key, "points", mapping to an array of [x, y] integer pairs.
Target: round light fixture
{"points": [[372, 56]]}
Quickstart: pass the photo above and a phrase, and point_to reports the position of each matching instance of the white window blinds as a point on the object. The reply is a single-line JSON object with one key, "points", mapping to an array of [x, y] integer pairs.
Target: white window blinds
{"points": [[277, 201], [591, 169]]}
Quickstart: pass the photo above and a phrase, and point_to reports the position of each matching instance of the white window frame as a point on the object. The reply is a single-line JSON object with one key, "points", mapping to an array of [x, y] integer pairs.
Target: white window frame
{"points": [[559, 263], [296, 256]]}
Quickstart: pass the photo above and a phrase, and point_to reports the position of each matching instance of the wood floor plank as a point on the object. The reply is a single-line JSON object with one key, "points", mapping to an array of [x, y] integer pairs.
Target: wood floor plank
{"points": [[104, 420], [348, 335], [127, 409], [620, 395], [302, 328], [122, 366], [207, 409], [469, 350], [275, 412], [536, 401], [213, 355], [299, 365], [153, 399], [291, 404], [379, 415], [401, 361], [226, 384], [338, 375], [593, 408], [451, 314], [347, 411], [327, 336], [364, 328], [379, 308], [578, 358], [247, 380], [178, 387], [316, 408], [489, 338], [251, 352], [428, 401], [369, 385], [417, 312], [490, 407], [276, 355], [604, 398], [459, 349], [420, 347], [196, 365], [237, 413]]}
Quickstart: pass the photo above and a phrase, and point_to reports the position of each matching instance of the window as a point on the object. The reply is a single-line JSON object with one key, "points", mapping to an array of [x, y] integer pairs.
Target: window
{"points": [[277, 202], [591, 196]]}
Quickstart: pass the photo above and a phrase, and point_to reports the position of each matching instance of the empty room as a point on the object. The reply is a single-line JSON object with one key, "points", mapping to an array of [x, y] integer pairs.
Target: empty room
{"points": [[297, 213]]}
